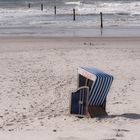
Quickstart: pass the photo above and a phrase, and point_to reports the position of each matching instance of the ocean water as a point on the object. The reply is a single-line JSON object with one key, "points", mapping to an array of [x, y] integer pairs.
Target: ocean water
{"points": [[119, 16]]}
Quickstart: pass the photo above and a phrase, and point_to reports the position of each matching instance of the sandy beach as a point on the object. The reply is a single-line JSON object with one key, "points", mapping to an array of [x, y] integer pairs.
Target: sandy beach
{"points": [[37, 75]]}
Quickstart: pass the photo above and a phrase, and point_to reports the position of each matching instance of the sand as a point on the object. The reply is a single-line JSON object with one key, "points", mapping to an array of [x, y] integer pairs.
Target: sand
{"points": [[37, 75]]}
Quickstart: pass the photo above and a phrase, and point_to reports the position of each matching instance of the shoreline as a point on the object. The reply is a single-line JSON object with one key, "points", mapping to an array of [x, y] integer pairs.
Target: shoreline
{"points": [[43, 37], [71, 31]]}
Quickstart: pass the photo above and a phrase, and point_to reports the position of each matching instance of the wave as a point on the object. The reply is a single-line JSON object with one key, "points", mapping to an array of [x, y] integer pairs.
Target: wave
{"points": [[109, 7], [131, 8], [73, 3]]}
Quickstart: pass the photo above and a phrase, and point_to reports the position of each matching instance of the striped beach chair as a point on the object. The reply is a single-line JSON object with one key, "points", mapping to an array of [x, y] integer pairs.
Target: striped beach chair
{"points": [[93, 87]]}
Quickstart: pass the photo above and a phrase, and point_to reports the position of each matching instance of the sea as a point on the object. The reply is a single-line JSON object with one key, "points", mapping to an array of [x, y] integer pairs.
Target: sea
{"points": [[25, 17]]}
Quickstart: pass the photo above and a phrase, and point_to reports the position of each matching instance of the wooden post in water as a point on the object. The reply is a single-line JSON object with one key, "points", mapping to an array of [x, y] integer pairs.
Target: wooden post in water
{"points": [[73, 14], [41, 7], [101, 15], [29, 5], [55, 10]]}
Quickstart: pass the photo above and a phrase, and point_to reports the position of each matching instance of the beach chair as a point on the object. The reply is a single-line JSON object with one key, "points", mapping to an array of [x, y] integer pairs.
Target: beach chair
{"points": [[93, 87]]}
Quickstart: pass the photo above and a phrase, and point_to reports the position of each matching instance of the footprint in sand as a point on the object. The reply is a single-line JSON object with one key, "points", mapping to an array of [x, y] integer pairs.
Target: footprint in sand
{"points": [[120, 132], [69, 138], [110, 139]]}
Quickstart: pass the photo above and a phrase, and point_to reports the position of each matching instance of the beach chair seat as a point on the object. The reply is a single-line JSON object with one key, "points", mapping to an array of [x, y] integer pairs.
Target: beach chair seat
{"points": [[79, 101]]}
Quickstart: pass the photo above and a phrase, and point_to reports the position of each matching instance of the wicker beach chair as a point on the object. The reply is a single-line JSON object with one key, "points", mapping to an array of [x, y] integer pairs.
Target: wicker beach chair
{"points": [[93, 87]]}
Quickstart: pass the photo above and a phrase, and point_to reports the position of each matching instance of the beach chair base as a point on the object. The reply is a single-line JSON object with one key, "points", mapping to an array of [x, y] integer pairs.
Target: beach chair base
{"points": [[96, 111]]}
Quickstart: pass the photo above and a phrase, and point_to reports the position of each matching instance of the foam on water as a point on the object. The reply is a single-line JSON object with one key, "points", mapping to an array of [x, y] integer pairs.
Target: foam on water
{"points": [[73, 3], [109, 8]]}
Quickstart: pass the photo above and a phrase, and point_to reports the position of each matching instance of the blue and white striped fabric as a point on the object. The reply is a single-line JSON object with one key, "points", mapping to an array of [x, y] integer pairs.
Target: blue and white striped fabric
{"points": [[100, 87]]}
